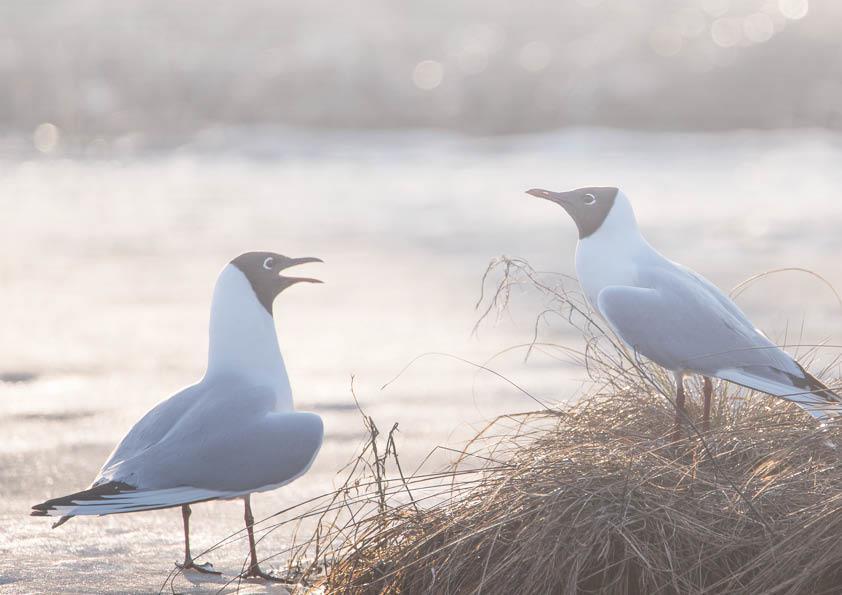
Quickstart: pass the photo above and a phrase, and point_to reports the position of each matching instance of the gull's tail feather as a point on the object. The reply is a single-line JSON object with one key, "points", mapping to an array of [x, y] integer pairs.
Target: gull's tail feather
{"points": [[806, 391], [116, 497]]}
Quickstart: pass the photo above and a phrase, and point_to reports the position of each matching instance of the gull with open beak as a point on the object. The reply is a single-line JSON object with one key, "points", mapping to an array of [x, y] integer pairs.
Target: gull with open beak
{"points": [[233, 433], [671, 314]]}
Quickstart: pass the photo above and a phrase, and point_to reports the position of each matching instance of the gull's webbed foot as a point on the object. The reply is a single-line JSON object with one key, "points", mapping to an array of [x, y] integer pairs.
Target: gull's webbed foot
{"points": [[256, 572], [206, 568]]}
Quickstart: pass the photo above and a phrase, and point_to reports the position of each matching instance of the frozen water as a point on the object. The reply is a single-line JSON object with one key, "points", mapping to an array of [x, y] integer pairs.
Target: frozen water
{"points": [[109, 261]]}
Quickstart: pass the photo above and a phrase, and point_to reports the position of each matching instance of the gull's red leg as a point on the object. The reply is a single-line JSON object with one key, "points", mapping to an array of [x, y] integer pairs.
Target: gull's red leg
{"points": [[254, 570], [708, 393], [680, 398], [189, 564]]}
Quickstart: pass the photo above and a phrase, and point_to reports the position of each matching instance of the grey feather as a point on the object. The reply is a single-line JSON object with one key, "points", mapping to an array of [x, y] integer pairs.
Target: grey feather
{"points": [[226, 438], [683, 322]]}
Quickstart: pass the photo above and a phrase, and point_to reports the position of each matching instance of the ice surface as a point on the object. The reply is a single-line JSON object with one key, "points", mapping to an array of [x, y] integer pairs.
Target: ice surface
{"points": [[108, 266]]}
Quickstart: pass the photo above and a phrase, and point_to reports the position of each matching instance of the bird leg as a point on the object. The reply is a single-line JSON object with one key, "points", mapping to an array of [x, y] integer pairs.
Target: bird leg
{"points": [[708, 393], [680, 397], [254, 570], [189, 564]]}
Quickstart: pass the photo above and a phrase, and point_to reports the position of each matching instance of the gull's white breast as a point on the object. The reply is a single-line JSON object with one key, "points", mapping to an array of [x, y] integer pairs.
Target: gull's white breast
{"points": [[614, 253], [598, 266]]}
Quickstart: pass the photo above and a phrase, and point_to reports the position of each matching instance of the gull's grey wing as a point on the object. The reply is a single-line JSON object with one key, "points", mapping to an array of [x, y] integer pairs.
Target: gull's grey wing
{"points": [[154, 425], [726, 302], [229, 441], [680, 324], [264, 453]]}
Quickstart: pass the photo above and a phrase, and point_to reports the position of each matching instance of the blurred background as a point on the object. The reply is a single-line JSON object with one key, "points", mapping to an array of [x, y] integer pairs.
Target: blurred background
{"points": [[151, 71], [144, 144]]}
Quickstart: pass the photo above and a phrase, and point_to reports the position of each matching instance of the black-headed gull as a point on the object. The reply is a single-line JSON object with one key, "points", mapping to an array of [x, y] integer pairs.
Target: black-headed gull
{"points": [[233, 433], [671, 314]]}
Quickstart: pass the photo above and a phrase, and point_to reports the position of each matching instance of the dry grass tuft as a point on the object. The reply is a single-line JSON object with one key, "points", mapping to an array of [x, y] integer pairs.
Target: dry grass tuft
{"points": [[600, 500], [598, 497]]}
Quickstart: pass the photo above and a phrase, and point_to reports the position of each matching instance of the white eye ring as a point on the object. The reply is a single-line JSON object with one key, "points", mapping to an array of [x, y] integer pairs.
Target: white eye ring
{"points": [[589, 199], [267, 264]]}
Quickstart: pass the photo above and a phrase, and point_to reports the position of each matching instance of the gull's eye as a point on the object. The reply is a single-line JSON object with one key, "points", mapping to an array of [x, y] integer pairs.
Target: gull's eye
{"points": [[267, 264], [589, 199]]}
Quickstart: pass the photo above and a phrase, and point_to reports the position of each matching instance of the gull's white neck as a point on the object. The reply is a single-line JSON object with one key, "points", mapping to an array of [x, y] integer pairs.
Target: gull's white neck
{"points": [[611, 255], [243, 341]]}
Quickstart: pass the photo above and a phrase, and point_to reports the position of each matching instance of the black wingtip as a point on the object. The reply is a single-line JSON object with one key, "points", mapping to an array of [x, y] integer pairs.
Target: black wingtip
{"points": [[816, 386], [832, 407], [100, 492]]}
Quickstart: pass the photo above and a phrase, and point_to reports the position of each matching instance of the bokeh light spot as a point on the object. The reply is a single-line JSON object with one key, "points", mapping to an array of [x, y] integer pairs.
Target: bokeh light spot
{"points": [[793, 9], [758, 27], [46, 137], [726, 32], [428, 74], [473, 46]]}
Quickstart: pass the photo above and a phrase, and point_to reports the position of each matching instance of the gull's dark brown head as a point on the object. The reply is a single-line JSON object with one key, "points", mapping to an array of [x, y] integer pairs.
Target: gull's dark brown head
{"points": [[263, 270], [587, 206]]}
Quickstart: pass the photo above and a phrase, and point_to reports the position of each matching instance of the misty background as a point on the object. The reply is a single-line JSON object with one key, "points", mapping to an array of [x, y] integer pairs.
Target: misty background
{"points": [[157, 69]]}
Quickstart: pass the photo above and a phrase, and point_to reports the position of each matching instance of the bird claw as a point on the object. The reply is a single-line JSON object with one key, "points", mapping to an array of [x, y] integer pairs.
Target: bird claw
{"points": [[206, 568], [256, 572]]}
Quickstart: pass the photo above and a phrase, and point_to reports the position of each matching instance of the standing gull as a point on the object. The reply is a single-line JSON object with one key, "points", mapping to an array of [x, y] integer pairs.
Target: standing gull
{"points": [[671, 314], [233, 433]]}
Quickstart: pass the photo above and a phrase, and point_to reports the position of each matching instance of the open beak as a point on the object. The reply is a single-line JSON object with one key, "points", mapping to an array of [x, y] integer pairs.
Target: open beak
{"points": [[556, 197], [291, 262]]}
